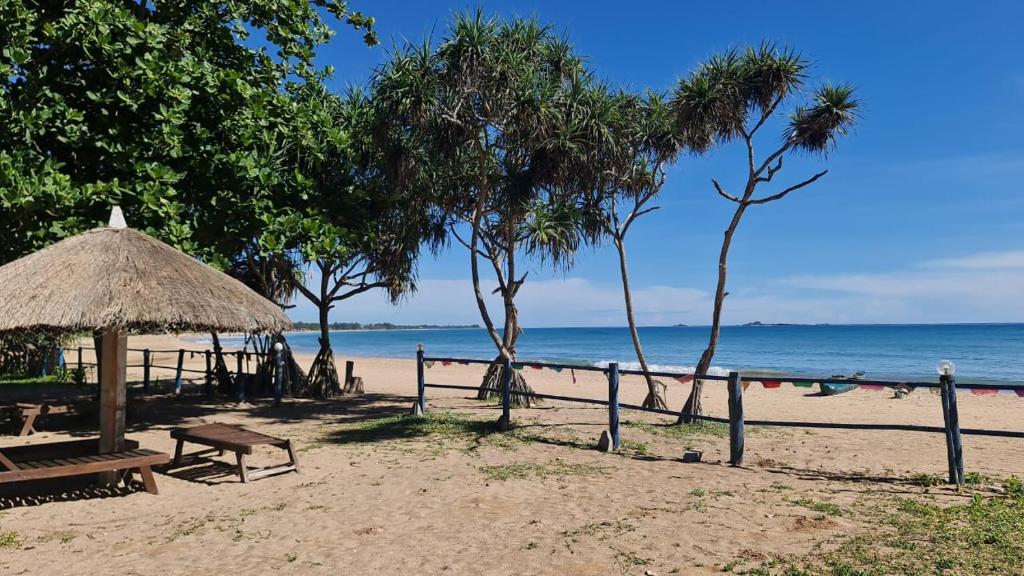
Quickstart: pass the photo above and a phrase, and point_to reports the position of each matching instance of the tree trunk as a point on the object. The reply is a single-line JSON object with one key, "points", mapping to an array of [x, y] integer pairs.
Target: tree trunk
{"points": [[693, 403], [655, 389], [220, 368], [323, 374]]}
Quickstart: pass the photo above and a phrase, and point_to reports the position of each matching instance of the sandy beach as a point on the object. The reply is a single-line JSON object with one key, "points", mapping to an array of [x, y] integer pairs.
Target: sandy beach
{"points": [[378, 494]]}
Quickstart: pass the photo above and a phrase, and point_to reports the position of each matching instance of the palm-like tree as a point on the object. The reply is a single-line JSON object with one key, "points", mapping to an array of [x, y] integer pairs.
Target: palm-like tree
{"points": [[732, 97], [644, 142], [502, 118]]}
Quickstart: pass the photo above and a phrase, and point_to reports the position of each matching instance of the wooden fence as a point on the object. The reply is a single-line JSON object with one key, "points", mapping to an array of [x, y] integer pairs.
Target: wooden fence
{"points": [[946, 385], [242, 360]]}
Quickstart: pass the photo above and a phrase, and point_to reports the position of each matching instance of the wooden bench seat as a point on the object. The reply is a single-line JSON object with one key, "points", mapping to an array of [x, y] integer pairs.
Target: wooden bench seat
{"points": [[221, 437], [76, 458]]}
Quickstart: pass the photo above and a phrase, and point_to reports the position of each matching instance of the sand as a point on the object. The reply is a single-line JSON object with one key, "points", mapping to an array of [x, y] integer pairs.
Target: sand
{"points": [[376, 500]]}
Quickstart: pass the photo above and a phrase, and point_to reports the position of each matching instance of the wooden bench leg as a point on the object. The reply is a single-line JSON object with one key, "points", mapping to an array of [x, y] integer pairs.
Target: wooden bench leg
{"points": [[177, 452], [147, 479], [291, 454], [27, 424], [243, 472]]}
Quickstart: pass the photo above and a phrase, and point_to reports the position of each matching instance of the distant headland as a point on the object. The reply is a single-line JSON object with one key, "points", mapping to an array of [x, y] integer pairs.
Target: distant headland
{"points": [[340, 326]]}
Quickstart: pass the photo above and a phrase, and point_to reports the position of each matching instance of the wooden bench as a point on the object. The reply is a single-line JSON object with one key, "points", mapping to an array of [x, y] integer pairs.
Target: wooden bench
{"points": [[221, 437], [24, 415], [76, 458]]}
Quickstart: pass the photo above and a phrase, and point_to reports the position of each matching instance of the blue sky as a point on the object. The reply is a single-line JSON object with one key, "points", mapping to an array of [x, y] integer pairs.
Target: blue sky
{"points": [[918, 220]]}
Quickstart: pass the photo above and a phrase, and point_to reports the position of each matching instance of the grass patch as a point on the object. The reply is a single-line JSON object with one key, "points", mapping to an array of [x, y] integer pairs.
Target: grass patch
{"points": [[444, 425], [927, 480], [8, 380], [9, 539], [910, 536], [527, 470], [683, 431], [826, 508]]}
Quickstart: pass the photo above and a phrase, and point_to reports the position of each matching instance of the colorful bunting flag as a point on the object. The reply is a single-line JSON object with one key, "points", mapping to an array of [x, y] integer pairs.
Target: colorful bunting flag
{"points": [[745, 385], [557, 368], [985, 391], [1020, 392], [446, 362], [537, 366], [429, 364], [771, 383], [464, 363], [872, 387], [517, 365], [685, 378], [803, 383]]}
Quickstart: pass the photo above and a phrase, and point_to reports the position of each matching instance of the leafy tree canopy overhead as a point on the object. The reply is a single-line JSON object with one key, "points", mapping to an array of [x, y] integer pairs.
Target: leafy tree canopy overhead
{"points": [[166, 109]]}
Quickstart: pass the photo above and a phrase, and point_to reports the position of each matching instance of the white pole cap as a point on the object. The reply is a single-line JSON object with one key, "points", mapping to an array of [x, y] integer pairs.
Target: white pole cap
{"points": [[117, 218]]}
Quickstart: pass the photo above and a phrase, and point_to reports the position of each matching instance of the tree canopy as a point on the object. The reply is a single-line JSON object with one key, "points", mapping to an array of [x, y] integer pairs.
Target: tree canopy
{"points": [[170, 109]]}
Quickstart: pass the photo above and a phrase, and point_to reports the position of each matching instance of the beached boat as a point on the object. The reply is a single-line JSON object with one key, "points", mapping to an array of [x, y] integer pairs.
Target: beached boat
{"points": [[833, 388]]}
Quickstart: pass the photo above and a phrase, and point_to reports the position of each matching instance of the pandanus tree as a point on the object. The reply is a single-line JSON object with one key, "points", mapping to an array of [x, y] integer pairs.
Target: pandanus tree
{"points": [[500, 114], [643, 143], [274, 276], [733, 97], [354, 233]]}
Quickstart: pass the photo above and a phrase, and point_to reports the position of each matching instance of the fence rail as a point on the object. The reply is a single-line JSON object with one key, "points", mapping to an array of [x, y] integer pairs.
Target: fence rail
{"points": [[241, 357], [735, 381]]}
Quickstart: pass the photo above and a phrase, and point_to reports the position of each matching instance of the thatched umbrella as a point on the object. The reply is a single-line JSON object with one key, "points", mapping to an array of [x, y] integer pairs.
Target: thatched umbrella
{"points": [[117, 280]]}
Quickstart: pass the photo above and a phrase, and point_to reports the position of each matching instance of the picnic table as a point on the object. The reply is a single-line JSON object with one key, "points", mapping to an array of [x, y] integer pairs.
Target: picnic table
{"points": [[24, 414], [222, 437]]}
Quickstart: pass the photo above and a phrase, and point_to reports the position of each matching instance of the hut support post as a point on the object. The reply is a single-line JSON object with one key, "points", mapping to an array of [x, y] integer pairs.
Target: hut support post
{"points": [[79, 359], [613, 405], [951, 417], [421, 384], [736, 425], [239, 378], [145, 370], [112, 395], [209, 373], [177, 374]]}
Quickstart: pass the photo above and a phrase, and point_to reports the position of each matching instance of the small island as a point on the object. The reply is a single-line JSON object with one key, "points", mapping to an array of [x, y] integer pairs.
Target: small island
{"points": [[342, 326]]}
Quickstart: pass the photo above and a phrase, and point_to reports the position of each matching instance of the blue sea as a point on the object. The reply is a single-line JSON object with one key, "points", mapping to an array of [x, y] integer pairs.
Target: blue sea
{"points": [[982, 352]]}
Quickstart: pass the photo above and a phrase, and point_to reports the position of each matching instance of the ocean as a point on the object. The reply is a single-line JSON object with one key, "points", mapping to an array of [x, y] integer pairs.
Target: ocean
{"points": [[982, 352]]}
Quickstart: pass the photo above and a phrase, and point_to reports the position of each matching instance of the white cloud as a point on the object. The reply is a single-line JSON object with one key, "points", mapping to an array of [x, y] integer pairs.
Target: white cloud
{"points": [[984, 287], [988, 260]]}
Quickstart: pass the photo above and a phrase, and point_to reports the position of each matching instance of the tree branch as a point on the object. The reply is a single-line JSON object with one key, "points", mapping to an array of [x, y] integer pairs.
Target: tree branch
{"points": [[723, 193], [771, 172], [782, 194], [362, 288]]}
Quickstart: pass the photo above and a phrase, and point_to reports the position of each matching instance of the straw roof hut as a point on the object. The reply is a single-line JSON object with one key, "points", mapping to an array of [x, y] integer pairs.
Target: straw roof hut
{"points": [[116, 280]]}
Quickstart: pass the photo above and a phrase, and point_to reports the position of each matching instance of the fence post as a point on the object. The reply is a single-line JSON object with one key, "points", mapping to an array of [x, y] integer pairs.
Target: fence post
{"points": [[278, 373], [421, 384], [505, 422], [736, 426], [951, 417], [177, 374], [209, 373], [145, 370], [613, 405], [239, 376], [79, 359]]}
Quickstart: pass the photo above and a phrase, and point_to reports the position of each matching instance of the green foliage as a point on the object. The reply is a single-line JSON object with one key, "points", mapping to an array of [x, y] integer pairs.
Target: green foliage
{"points": [[498, 125], [163, 108]]}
